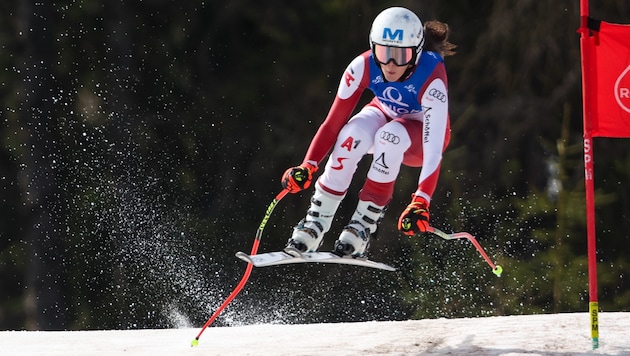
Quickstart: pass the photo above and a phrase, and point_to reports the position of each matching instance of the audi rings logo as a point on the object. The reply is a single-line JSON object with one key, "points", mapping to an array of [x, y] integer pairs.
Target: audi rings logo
{"points": [[438, 95], [390, 137]]}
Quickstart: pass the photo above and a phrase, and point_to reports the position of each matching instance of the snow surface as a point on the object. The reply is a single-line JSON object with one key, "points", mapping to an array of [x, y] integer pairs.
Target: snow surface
{"points": [[545, 334]]}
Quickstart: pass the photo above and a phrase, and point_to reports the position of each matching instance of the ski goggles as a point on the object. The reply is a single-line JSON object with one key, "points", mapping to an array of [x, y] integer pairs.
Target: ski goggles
{"points": [[400, 55]]}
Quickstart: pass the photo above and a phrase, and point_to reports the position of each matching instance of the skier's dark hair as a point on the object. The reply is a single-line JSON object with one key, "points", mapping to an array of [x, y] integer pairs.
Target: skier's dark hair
{"points": [[436, 38]]}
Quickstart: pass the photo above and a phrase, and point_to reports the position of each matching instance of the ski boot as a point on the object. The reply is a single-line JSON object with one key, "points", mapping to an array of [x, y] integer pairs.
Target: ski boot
{"points": [[354, 240], [308, 235]]}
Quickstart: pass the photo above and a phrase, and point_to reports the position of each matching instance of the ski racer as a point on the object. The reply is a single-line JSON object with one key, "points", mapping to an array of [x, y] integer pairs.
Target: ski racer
{"points": [[407, 122]]}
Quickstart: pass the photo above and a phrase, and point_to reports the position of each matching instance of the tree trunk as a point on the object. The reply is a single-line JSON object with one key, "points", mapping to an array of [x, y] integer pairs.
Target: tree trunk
{"points": [[44, 299]]}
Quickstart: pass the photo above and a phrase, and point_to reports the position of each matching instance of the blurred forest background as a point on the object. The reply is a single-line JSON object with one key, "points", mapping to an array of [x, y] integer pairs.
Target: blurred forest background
{"points": [[143, 140]]}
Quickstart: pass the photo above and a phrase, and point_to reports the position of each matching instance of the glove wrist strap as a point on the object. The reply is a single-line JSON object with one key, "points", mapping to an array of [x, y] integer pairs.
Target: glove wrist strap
{"points": [[419, 199]]}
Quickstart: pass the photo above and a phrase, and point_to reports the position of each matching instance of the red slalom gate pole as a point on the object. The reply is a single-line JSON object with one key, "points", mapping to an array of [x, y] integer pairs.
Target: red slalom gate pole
{"points": [[248, 270]]}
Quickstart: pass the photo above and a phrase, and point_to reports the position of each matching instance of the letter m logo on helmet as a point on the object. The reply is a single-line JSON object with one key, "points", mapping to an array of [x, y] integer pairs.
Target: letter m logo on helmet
{"points": [[392, 35]]}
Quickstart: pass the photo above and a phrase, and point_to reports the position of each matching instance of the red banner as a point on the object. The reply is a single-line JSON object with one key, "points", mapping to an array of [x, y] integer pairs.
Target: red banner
{"points": [[609, 95]]}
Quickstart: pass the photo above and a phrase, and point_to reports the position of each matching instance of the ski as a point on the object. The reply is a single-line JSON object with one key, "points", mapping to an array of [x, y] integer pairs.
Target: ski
{"points": [[292, 256]]}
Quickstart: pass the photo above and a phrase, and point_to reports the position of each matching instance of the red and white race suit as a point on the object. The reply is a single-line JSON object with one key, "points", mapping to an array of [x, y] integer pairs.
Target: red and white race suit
{"points": [[406, 122]]}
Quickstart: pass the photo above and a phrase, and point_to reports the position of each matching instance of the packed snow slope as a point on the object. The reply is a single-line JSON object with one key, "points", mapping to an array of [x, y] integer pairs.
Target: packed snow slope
{"points": [[546, 334]]}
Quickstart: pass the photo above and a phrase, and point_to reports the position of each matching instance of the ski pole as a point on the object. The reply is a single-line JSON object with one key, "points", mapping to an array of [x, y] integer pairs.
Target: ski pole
{"points": [[248, 270], [496, 269]]}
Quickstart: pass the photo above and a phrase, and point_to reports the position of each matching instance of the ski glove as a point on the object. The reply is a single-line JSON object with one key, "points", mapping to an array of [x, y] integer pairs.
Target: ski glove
{"points": [[415, 219], [296, 179]]}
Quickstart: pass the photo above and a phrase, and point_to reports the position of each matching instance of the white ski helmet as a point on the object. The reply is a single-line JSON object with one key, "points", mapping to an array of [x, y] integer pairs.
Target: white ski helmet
{"points": [[396, 34]]}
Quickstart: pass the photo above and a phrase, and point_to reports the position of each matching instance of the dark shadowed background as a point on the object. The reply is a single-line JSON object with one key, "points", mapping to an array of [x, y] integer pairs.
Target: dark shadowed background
{"points": [[143, 140]]}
